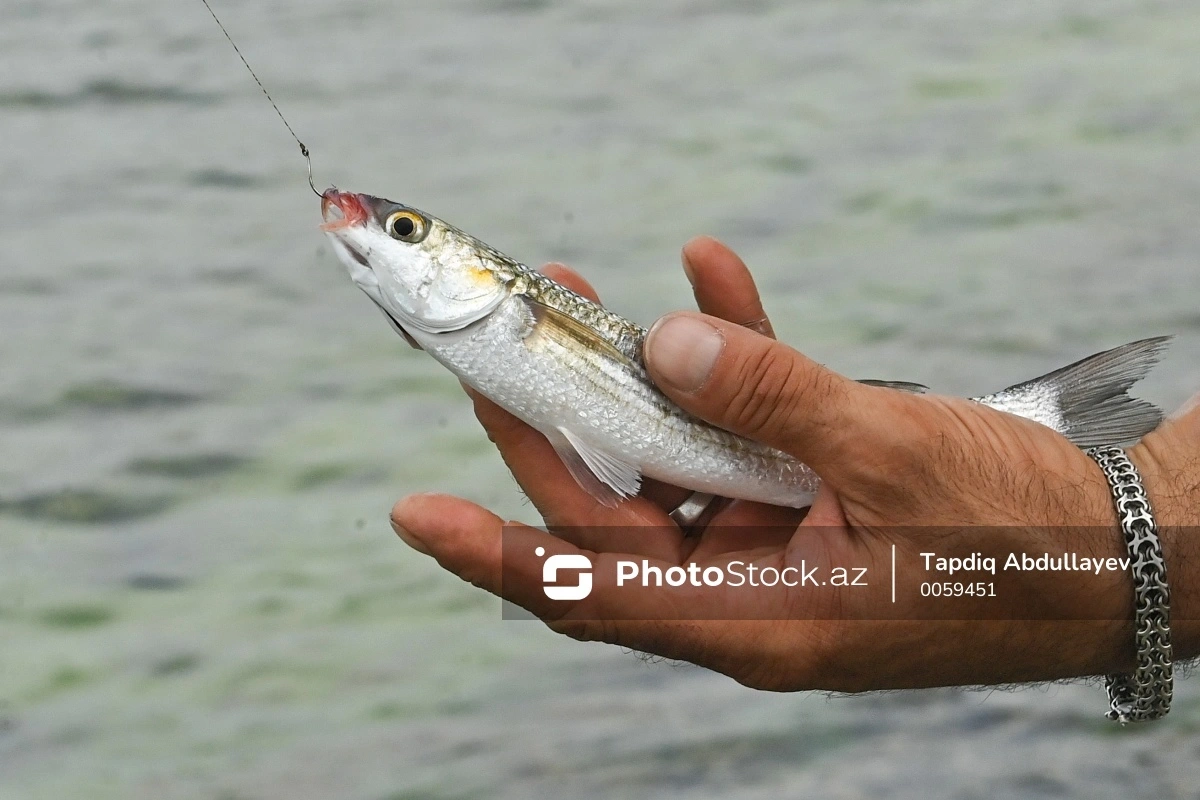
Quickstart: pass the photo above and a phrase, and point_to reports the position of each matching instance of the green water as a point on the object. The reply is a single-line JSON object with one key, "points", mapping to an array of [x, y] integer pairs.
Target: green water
{"points": [[203, 423]]}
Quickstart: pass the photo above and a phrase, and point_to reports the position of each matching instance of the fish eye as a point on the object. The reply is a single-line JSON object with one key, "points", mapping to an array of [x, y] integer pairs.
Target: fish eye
{"points": [[406, 226]]}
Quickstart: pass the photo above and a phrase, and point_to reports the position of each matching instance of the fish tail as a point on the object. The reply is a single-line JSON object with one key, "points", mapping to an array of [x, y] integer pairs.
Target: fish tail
{"points": [[1089, 401]]}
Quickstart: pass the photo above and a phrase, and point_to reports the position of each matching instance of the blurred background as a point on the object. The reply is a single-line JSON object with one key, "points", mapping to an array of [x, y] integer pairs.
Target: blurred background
{"points": [[203, 423]]}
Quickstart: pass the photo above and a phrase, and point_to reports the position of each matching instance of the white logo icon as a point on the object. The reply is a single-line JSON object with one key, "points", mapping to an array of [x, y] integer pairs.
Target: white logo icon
{"points": [[571, 561]]}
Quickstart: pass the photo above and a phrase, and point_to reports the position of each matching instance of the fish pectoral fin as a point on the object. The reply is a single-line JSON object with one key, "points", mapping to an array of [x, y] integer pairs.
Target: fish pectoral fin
{"points": [[900, 386], [605, 477], [564, 329]]}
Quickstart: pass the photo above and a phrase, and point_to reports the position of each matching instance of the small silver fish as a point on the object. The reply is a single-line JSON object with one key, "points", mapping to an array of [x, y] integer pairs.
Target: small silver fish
{"points": [[574, 371]]}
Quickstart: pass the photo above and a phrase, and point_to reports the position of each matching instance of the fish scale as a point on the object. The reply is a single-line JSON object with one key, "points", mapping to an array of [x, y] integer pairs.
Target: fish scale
{"points": [[573, 370], [611, 407]]}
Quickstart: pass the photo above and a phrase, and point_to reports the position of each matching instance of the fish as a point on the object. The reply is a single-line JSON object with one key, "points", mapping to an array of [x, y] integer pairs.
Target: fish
{"points": [[574, 371]]}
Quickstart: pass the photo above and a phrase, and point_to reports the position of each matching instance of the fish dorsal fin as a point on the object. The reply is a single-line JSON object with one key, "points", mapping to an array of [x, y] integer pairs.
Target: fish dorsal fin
{"points": [[900, 386], [605, 477], [565, 330]]}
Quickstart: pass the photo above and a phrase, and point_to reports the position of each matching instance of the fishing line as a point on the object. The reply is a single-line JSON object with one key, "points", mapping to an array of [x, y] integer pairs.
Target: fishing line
{"points": [[271, 100]]}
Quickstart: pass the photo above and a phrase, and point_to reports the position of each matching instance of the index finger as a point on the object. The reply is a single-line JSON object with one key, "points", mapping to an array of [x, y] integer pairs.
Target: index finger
{"points": [[722, 284], [508, 560]]}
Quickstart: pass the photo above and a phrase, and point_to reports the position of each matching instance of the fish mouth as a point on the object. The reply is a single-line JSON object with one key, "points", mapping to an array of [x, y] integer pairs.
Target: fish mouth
{"points": [[342, 210]]}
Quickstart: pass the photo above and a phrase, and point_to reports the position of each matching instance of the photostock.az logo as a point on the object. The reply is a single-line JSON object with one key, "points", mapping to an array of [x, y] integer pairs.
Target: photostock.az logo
{"points": [[569, 561]]}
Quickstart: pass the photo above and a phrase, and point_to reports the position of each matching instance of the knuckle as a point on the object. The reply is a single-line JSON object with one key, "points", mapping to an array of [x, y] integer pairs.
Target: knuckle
{"points": [[766, 392]]}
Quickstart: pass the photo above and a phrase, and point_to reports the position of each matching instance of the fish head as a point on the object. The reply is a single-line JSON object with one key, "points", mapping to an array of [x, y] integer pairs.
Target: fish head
{"points": [[428, 276]]}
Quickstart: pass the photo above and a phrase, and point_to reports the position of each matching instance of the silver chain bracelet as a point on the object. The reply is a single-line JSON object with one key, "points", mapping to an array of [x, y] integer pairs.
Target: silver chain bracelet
{"points": [[1146, 693]]}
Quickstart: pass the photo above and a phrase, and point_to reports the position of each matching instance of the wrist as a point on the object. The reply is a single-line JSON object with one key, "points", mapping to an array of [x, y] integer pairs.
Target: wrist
{"points": [[1178, 518]]}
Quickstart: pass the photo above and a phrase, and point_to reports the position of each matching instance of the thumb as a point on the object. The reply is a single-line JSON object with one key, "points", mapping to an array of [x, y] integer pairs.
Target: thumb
{"points": [[764, 390]]}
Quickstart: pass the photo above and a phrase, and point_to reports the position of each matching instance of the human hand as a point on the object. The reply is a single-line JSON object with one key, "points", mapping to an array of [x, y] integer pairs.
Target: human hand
{"points": [[917, 472]]}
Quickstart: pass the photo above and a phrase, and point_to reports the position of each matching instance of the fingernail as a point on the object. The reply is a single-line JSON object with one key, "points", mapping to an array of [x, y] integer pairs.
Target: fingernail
{"points": [[683, 351], [762, 326], [407, 537], [687, 267]]}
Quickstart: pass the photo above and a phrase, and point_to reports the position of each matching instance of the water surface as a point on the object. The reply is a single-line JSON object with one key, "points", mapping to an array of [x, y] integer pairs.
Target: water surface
{"points": [[204, 424]]}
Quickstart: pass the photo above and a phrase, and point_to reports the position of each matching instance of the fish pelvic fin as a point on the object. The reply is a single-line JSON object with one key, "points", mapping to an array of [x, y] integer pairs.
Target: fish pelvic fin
{"points": [[1089, 401], [605, 477]]}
